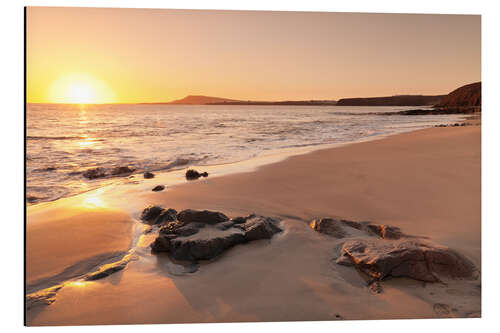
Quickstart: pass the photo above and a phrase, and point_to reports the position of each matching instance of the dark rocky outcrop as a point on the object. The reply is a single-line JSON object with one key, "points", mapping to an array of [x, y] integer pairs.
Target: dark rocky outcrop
{"points": [[414, 259], [148, 175], [158, 188], [399, 100], [192, 174], [95, 173], [203, 235], [382, 251]]}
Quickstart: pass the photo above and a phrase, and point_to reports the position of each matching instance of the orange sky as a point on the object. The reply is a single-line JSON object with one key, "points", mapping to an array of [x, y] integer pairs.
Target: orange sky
{"points": [[155, 55]]}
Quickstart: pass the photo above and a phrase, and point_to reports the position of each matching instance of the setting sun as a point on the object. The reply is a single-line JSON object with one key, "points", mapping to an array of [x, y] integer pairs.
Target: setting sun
{"points": [[80, 89]]}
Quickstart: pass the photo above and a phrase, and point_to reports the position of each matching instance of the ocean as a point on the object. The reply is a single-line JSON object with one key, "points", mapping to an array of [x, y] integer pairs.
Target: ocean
{"points": [[65, 140]]}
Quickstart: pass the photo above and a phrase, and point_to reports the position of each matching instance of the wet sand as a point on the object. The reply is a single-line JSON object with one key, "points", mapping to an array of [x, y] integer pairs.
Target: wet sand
{"points": [[426, 182]]}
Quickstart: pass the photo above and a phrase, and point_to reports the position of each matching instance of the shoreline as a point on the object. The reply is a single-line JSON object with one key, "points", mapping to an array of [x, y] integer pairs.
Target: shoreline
{"points": [[366, 182]]}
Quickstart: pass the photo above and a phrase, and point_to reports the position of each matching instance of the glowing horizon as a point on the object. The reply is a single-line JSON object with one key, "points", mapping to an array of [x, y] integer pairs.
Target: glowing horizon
{"points": [[106, 55]]}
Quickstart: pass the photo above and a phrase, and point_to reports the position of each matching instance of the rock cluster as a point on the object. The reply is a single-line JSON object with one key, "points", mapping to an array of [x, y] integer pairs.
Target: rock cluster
{"points": [[415, 259], [99, 172], [382, 251], [201, 234]]}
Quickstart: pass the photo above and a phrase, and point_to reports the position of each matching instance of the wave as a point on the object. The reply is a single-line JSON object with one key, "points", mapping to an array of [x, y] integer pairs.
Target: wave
{"points": [[55, 137]]}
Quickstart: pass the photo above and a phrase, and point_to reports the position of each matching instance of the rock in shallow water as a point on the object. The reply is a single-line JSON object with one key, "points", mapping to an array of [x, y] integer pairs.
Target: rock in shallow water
{"points": [[123, 170], [94, 173], [203, 235]]}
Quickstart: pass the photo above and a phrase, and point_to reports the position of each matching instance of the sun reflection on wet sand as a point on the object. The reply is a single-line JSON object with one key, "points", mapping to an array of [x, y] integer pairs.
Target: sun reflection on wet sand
{"points": [[94, 199]]}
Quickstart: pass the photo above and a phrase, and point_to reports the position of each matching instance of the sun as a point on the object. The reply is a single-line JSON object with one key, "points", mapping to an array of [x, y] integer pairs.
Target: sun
{"points": [[81, 93], [78, 88]]}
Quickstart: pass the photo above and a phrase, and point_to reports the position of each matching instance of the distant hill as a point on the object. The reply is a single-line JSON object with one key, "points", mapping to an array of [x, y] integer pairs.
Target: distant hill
{"points": [[399, 100], [310, 102], [465, 96], [201, 100], [208, 100]]}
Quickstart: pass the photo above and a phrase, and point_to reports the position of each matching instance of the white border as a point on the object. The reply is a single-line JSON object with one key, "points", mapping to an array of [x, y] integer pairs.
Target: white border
{"points": [[12, 162]]}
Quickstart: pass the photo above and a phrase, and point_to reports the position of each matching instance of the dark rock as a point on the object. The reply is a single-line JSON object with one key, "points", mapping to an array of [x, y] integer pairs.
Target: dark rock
{"points": [[239, 220], [158, 188], [162, 243], [45, 169], [260, 227], [203, 248], [184, 239], [413, 259], [329, 227], [176, 228], [353, 224], [94, 173], [385, 231], [187, 230], [151, 213], [204, 216], [148, 175], [193, 174], [123, 170], [32, 198]]}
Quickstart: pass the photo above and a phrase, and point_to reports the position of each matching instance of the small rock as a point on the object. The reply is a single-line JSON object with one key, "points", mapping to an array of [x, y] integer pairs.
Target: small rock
{"points": [[148, 175], [158, 188], [31, 198], [193, 174]]}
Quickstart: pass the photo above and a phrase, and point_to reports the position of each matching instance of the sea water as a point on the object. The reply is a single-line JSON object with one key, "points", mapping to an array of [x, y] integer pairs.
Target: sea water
{"points": [[65, 140]]}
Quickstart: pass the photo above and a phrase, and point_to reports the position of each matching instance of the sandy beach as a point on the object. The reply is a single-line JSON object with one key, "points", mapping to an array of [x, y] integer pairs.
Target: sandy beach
{"points": [[426, 182]]}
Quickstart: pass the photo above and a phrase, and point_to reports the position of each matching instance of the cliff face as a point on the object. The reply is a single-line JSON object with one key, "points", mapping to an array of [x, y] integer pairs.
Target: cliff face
{"points": [[402, 100], [466, 96]]}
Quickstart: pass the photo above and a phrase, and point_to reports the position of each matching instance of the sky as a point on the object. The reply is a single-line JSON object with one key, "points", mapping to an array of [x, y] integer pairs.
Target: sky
{"points": [[107, 55]]}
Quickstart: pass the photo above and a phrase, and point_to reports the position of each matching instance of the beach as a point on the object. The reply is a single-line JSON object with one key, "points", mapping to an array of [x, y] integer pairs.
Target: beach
{"points": [[426, 182]]}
